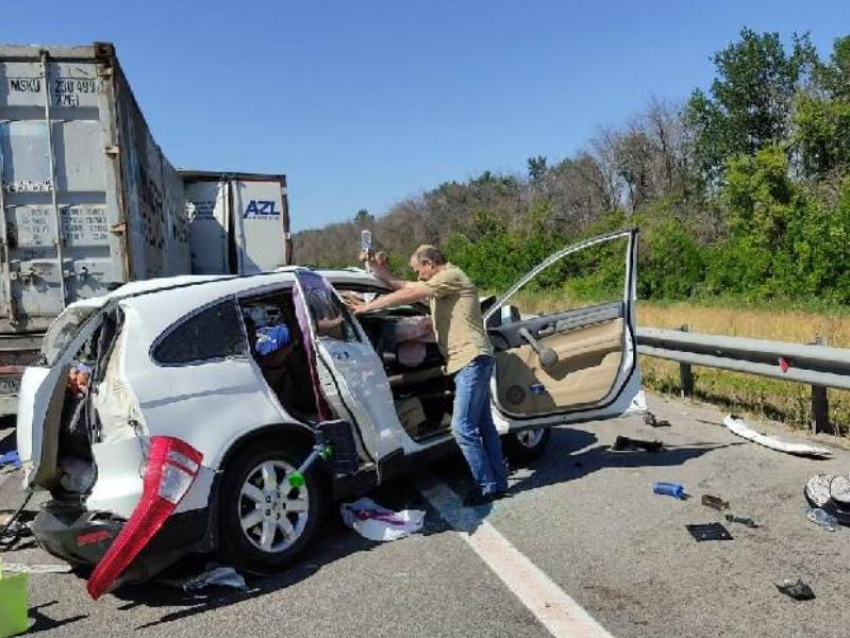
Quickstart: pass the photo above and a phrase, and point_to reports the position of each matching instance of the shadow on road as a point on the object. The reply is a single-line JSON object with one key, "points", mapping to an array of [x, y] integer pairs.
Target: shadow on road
{"points": [[573, 454], [43, 623]]}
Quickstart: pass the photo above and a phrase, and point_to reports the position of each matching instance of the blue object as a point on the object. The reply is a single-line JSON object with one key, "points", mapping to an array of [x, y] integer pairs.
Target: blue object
{"points": [[472, 426], [537, 388], [272, 338], [10, 458], [669, 489]]}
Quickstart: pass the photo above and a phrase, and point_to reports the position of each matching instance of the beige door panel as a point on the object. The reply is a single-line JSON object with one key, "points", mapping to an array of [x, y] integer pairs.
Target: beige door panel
{"points": [[589, 360]]}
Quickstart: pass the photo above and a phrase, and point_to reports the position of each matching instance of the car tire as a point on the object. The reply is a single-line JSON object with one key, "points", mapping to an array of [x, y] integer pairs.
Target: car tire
{"points": [[264, 529], [527, 445]]}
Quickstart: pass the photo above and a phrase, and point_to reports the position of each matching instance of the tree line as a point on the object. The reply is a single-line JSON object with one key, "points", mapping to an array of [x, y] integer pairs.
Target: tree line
{"points": [[742, 190]]}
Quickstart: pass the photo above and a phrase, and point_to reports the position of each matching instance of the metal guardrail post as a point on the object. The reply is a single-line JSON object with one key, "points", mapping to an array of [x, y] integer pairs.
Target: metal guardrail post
{"points": [[686, 375], [820, 402]]}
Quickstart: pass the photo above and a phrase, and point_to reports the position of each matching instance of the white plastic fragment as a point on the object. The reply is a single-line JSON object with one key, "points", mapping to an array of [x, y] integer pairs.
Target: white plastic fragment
{"points": [[20, 568], [740, 428], [377, 523]]}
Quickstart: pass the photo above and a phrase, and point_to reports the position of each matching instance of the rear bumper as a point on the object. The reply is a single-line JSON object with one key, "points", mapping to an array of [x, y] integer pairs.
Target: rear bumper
{"points": [[81, 537]]}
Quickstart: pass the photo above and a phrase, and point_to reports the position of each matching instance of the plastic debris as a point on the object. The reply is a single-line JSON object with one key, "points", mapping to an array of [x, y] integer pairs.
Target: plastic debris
{"points": [[10, 458], [212, 576], [823, 519], [377, 523], [624, 443], [709, 532], [798, 590], [743, 520], [829, 493], [715, 502], [670, 489], [737, 426], [20, 568], [651, 420]]}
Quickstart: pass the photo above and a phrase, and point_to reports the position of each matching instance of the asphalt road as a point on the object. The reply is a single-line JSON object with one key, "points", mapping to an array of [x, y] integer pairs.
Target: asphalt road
{"points": [[584, 515]]}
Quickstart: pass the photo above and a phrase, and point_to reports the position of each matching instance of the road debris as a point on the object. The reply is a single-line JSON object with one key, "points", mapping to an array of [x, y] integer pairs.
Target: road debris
{"points": [[743, 520], [798, 590], [709, 532], [737, 426], [377, 523], [53, 568], [213, 576], [828, 492], [11, 459], [624, 443], [651, 420], [670, 489], [714, 502], [822, 519]]}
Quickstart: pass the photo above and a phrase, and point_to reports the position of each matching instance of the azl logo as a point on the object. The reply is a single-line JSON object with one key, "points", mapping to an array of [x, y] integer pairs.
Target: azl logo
{"points": [[261, 208]]}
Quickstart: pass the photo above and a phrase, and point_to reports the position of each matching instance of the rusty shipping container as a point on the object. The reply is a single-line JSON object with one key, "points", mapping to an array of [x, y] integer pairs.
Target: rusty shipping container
{"points": [[88, 200]]}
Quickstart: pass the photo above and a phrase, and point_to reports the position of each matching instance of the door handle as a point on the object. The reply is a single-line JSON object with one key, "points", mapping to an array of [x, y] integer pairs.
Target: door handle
{"points": [[342, 355]]}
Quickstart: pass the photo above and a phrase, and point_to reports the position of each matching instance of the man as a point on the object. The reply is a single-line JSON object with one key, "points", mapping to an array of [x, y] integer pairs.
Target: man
{"points": [[456, 315]]}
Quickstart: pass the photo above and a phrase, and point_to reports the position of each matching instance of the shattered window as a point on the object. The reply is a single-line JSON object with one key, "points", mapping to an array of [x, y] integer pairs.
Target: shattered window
{"points": [[213, 333]]}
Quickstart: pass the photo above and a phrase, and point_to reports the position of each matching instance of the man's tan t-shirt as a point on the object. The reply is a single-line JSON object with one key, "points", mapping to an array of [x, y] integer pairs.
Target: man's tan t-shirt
{"points": [[456, 313]]}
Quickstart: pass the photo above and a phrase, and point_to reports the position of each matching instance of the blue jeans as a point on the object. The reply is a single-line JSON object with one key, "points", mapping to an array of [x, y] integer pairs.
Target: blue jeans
{"points": [[473, 428]]}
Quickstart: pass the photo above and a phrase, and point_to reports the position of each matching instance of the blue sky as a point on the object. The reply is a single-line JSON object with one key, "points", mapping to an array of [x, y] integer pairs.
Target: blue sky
{"points": [[362, 103]]}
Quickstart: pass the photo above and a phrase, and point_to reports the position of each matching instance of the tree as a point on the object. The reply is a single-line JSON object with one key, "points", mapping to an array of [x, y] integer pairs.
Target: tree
{"points": [[750, 100], [364, 218], [536, 167]]}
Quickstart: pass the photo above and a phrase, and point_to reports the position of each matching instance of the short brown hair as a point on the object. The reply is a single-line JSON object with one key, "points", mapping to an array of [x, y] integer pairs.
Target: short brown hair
{"points": [[430, 253]]}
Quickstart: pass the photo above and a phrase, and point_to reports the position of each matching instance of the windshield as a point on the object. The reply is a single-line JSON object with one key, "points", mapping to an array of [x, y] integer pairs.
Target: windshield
{"points": [[63, 330]]}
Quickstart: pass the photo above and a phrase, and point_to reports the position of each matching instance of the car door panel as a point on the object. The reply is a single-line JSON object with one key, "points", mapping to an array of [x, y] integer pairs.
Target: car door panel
{"points": [[594, 373]]}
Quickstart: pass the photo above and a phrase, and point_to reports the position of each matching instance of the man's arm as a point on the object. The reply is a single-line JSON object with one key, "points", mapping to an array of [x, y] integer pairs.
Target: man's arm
{"points": [[411, 293], [380, 268]]}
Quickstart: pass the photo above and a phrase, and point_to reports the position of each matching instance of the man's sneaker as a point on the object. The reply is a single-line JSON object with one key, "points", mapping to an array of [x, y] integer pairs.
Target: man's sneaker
{"points": [[474, 498]]}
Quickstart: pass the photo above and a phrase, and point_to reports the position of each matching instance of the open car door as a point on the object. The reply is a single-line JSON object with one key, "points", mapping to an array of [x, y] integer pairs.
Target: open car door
{"points": [[578, 363], [350, 372]]}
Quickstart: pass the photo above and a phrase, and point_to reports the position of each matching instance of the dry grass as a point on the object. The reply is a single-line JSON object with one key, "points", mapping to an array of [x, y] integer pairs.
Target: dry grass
{"points": [[742, 393]]}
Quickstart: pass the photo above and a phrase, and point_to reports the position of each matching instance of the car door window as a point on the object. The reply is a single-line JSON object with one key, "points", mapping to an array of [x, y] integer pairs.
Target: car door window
{"points": [[330, 316], [212, 333]]}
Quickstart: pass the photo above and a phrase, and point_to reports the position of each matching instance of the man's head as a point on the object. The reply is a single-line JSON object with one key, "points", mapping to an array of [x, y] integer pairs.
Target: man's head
{"points": [[426, 261]]}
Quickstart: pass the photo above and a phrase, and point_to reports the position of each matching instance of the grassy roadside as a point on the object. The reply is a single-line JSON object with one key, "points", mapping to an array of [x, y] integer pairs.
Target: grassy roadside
{"points": [[742, 393]]}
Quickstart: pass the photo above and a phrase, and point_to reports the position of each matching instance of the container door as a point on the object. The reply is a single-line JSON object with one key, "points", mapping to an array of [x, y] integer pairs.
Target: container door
{"points": [[207, 207], [259, 225], [579, 361], [58, 184]]}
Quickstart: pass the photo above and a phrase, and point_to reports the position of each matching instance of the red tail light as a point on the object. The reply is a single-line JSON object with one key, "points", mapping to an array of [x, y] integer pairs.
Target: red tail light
{"points": [[171, 469]]}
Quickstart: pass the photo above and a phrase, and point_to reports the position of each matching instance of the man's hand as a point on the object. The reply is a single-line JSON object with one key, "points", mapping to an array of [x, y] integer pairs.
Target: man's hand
{"points": [[359, 308]]}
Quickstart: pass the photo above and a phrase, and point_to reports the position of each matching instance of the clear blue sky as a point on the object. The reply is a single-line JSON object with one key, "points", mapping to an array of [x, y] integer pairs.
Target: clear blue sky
{"points": [[363, 102]]}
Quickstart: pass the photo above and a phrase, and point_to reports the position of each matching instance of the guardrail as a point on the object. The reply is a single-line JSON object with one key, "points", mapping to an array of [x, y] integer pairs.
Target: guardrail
{"points": [[815, 364]]}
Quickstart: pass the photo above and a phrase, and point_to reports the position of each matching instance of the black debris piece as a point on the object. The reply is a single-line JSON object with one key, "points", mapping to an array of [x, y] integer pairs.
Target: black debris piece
{"points": [[709, 532], [715, 502], [652, 421], [624, 443], [797, 590]]}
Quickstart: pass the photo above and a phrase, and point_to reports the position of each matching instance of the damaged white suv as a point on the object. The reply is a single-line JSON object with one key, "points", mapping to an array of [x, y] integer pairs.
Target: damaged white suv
{"points": [[173, 415]]}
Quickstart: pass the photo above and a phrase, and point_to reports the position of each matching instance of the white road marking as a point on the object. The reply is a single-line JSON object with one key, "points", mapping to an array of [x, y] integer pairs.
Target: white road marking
{"points": [[560, 614]]}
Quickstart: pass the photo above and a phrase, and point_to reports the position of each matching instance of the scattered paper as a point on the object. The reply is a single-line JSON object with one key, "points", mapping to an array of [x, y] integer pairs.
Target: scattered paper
{"points": [[377, 523]]}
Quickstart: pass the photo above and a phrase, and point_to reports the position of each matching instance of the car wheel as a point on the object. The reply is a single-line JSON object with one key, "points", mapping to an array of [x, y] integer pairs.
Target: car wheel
{"points": [[265, 523], [527, 445]]}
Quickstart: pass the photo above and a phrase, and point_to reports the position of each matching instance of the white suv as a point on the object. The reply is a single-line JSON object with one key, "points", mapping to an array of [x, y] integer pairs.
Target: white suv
{"points": [[205, 396]]}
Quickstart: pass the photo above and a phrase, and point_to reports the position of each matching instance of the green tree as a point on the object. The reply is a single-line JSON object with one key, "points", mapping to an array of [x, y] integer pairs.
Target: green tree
{"points": [[749, 103], [363, 218]]}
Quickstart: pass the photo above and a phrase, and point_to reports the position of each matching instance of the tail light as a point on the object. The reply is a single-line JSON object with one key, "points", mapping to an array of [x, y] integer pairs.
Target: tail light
{"points": [[170, 471]]}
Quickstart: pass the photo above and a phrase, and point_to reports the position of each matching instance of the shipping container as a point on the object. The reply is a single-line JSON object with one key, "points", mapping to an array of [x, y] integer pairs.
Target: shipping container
{"points": [[88, 201], [238, 222]]}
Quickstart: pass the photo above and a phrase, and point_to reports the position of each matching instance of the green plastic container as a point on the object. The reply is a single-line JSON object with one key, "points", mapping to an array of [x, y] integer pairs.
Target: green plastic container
{"points": [[13, 604]]}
